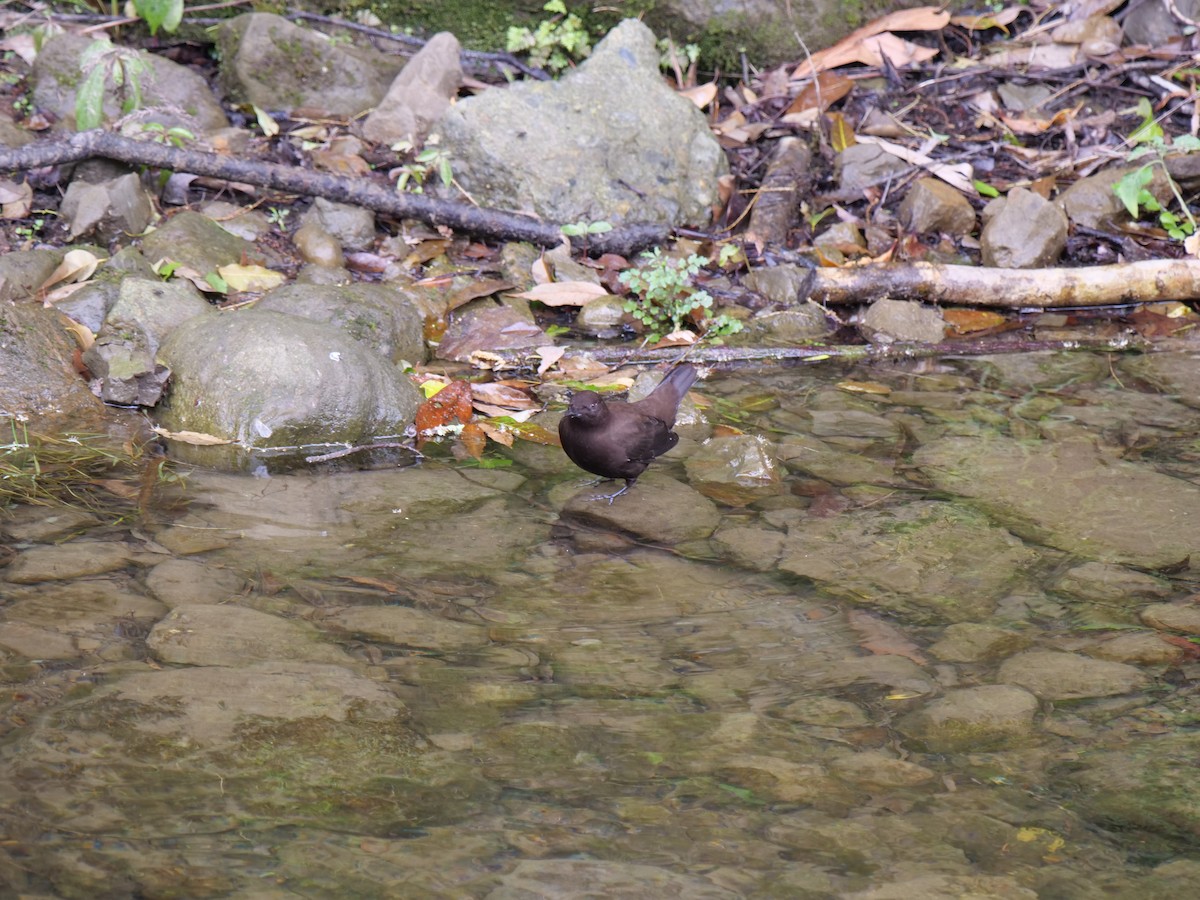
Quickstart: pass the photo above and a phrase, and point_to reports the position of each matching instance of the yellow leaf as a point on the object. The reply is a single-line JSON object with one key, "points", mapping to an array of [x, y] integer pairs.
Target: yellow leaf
{"points": [[841, 135], [431, 387], [250, 278]]}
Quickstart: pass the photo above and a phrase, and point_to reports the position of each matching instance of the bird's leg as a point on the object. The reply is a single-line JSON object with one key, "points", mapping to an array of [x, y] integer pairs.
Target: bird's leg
{"points": [[611, 497]]}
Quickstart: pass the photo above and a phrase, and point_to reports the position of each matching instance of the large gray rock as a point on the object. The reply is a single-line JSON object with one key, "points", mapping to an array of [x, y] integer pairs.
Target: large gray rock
{"points": [[608, 142], [377, 315], [1023, 231], [266, 379], [171, 94], [268, 61]]}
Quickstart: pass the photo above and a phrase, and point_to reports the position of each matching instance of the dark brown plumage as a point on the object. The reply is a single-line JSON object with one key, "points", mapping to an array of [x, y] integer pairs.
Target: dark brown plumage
{"points": [[613, 439]]}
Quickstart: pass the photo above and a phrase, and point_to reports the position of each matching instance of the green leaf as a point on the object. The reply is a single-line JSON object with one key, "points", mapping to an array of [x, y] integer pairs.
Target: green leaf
{"points": [[985, 189], [89, 101], [165, 14], [1129, 189], [217, 283], [1186, 143]]}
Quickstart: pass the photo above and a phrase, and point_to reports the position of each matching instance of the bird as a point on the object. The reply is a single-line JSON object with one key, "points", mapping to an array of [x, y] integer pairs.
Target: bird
{"points": [[614, 439]]}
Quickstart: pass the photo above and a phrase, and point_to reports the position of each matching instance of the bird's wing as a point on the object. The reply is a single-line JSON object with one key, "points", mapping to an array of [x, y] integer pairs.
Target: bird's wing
{"points": [[653, 439]]}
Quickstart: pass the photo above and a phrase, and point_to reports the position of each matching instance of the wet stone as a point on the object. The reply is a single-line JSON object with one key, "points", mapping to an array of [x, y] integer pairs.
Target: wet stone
{"points": [[1068, 676], [1142, 649], [406, 627], [936, 562], [1173, 617], [987, 717], [179, 582], [1099, 582], [210, 635], [33, 524], [734, 470], [657, 508], [878, 769], [65, 561], [974, 642], [824, 711], [750, 546], [565, 878]]}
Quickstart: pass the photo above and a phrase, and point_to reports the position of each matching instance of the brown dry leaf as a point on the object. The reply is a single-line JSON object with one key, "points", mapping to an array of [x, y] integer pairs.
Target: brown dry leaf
{"points": [[76, 266], [476, 289], [16, 200], [564, 293], [581, 368], [871, 43], [1151, 324], [474, 439], [702, 94], [960, 176], [503, 395], [1188, 646], [59, 294], [496, 433], [453, 402], [340, 163], [497, 412], [83, 335], [827, 89], [424, 252], [549, 356], [677, 339], [968, 321], [122, 489], [200, 439], [883, 638]]}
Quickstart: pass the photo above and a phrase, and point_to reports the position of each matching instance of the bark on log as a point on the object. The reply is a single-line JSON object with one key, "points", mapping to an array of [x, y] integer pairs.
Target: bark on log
{"points": [[1137, 282]]}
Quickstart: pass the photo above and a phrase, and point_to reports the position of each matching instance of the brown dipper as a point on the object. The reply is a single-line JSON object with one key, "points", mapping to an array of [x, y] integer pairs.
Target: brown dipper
{"points": [[613, 439]]}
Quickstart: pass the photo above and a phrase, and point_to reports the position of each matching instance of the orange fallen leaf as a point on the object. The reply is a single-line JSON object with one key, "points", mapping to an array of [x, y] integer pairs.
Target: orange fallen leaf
{"points": [[873, 42], [451, 403], [968, 321], [883, 638], [474, 439]]}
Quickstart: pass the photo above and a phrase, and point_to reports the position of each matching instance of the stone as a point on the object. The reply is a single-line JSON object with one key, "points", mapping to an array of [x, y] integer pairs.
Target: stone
{"points": [[975, 719], [734, 470], [113, 209], [66, 561], [1024, 231], [624, 148], [228, 635], [274, 64], [1053, 675], [403, 626], [889, 321], [932, 206], [658, 508], [420, 95]]}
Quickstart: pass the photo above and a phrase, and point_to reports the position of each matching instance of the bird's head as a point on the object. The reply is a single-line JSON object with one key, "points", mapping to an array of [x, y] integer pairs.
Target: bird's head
{"points": [[587, 406]]}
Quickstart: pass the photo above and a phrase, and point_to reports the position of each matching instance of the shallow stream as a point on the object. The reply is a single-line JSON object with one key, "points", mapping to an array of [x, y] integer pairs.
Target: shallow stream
{"points": [[903, 630]]}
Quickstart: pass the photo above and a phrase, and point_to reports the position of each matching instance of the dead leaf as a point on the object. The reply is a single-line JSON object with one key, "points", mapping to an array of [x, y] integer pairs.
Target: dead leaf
{"points": [[841, 134], [250, 278], [451, 403], [59, 294], [496, 433], [191, 437], [534, 433], [984, 21], [821, 93], [549, 356], [83, 335], [484, 287], [871, 43], [474, 439], [883, 638], [76, 266], [726, 431], [503, 395], [702, 94], [503, 412], [564, 293], [677, 339], [16, 200], [864, 387], [969, 321], [960, 176]]}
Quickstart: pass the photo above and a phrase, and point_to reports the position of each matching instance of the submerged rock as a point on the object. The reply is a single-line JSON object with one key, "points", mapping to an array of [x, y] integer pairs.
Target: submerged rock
{"points": [[1073, 496], [987, 717]]}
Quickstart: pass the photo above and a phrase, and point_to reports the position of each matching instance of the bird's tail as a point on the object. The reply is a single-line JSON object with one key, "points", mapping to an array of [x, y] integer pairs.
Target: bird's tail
{"points": [[663, 402]]}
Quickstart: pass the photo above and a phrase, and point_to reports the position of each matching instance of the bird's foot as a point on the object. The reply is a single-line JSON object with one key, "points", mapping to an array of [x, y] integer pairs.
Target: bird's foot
{"points": [[611, 497]]}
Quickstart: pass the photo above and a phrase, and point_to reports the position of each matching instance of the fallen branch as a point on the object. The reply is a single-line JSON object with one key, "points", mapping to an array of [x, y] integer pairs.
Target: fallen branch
{"points": [[1137, 282], [730, 356], [460, 217]]}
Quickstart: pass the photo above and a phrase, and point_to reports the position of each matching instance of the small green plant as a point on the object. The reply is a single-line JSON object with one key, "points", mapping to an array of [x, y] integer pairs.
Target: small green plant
{"points": [[160, 133], [278, 216], [585, 230], [164, 14], [556, 43], [679, 59], [102, 64], [666, 298], [1132, 189], [32, 229], [432, 160]]}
